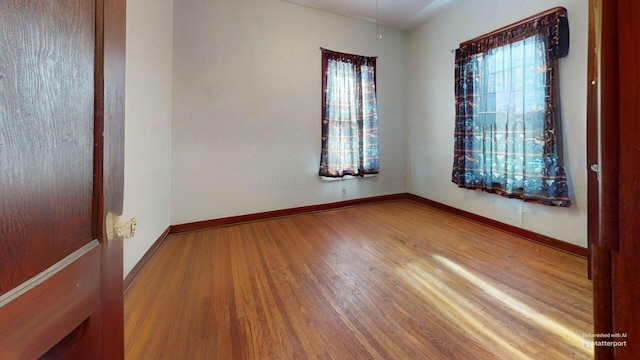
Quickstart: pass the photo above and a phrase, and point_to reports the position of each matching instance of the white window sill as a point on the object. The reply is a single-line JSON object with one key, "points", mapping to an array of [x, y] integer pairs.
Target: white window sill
{"points": [[346, 177]]}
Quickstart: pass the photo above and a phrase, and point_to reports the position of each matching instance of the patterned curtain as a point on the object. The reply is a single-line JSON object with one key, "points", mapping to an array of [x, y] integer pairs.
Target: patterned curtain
{"points": [[507, 114], [349, 115]]}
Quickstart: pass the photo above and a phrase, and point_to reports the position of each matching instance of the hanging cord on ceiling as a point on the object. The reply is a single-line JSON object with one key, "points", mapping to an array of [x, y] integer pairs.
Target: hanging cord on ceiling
{"points": [[378, 35]]}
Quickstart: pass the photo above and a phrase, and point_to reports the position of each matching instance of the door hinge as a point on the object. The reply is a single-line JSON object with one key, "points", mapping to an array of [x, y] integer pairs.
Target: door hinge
{"points": [[115, 228]]}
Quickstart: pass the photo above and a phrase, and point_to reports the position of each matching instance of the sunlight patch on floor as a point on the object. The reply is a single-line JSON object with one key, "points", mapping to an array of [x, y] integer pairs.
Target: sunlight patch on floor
{"points": [[460, 313], [569, 335], [461, 310]]}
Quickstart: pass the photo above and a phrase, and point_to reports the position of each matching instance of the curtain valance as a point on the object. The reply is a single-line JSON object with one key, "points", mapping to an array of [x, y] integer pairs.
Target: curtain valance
{"points": [[552, 22], [354, 59]]}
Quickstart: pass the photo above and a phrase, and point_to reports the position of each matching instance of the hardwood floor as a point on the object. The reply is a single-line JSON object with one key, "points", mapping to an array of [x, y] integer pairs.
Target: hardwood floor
{"points": [[394, 280]]}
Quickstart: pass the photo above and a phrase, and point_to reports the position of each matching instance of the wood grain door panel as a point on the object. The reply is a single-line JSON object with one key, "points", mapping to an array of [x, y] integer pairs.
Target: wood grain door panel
{"points": [[31, 326], [46, 134]]}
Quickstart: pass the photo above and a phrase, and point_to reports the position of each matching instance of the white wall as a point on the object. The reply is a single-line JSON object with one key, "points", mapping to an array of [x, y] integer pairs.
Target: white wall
{"points": [[147, 182], [246, 107], [225, 119], [430, 114]]}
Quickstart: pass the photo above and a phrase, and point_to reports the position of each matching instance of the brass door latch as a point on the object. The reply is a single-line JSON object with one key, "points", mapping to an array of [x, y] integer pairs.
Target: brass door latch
{"points": [[114, 228]]}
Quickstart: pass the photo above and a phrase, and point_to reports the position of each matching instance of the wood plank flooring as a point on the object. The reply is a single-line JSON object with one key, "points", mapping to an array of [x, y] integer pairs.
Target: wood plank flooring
{"points": [[394, 280]]}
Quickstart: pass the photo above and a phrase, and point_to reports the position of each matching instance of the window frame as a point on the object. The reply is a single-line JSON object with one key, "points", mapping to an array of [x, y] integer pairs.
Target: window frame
{"points": [[365, 121], [479, 144]]}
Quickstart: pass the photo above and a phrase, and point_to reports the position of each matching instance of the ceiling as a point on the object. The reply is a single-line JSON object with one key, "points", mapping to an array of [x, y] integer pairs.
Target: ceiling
{"points": [[400, 14]]}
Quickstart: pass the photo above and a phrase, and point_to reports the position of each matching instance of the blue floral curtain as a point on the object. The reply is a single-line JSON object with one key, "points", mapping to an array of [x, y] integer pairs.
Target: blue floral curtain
{"points": [[349, 115], [507, 114]]}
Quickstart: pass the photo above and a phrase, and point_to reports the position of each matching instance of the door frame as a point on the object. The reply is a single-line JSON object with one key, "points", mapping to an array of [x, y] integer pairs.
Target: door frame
{"points": [[599, 260]]}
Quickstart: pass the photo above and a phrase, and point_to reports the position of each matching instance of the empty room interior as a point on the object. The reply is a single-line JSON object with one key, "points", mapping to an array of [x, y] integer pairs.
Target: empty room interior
{"points": [[242, 249]]}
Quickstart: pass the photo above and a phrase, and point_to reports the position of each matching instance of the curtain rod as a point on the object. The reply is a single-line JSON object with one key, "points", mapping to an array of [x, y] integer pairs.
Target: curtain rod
{"points": [[333, 51], [517, 23]]}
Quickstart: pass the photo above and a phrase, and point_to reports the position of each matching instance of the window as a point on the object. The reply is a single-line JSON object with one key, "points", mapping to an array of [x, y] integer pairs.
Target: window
{"points": [[349, 115], [507, 113]]}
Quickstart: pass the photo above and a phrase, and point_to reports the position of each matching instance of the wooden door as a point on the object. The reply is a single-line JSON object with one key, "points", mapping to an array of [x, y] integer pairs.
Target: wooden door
{"points": [[616, 262], [625, 256], [61, 166]]}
